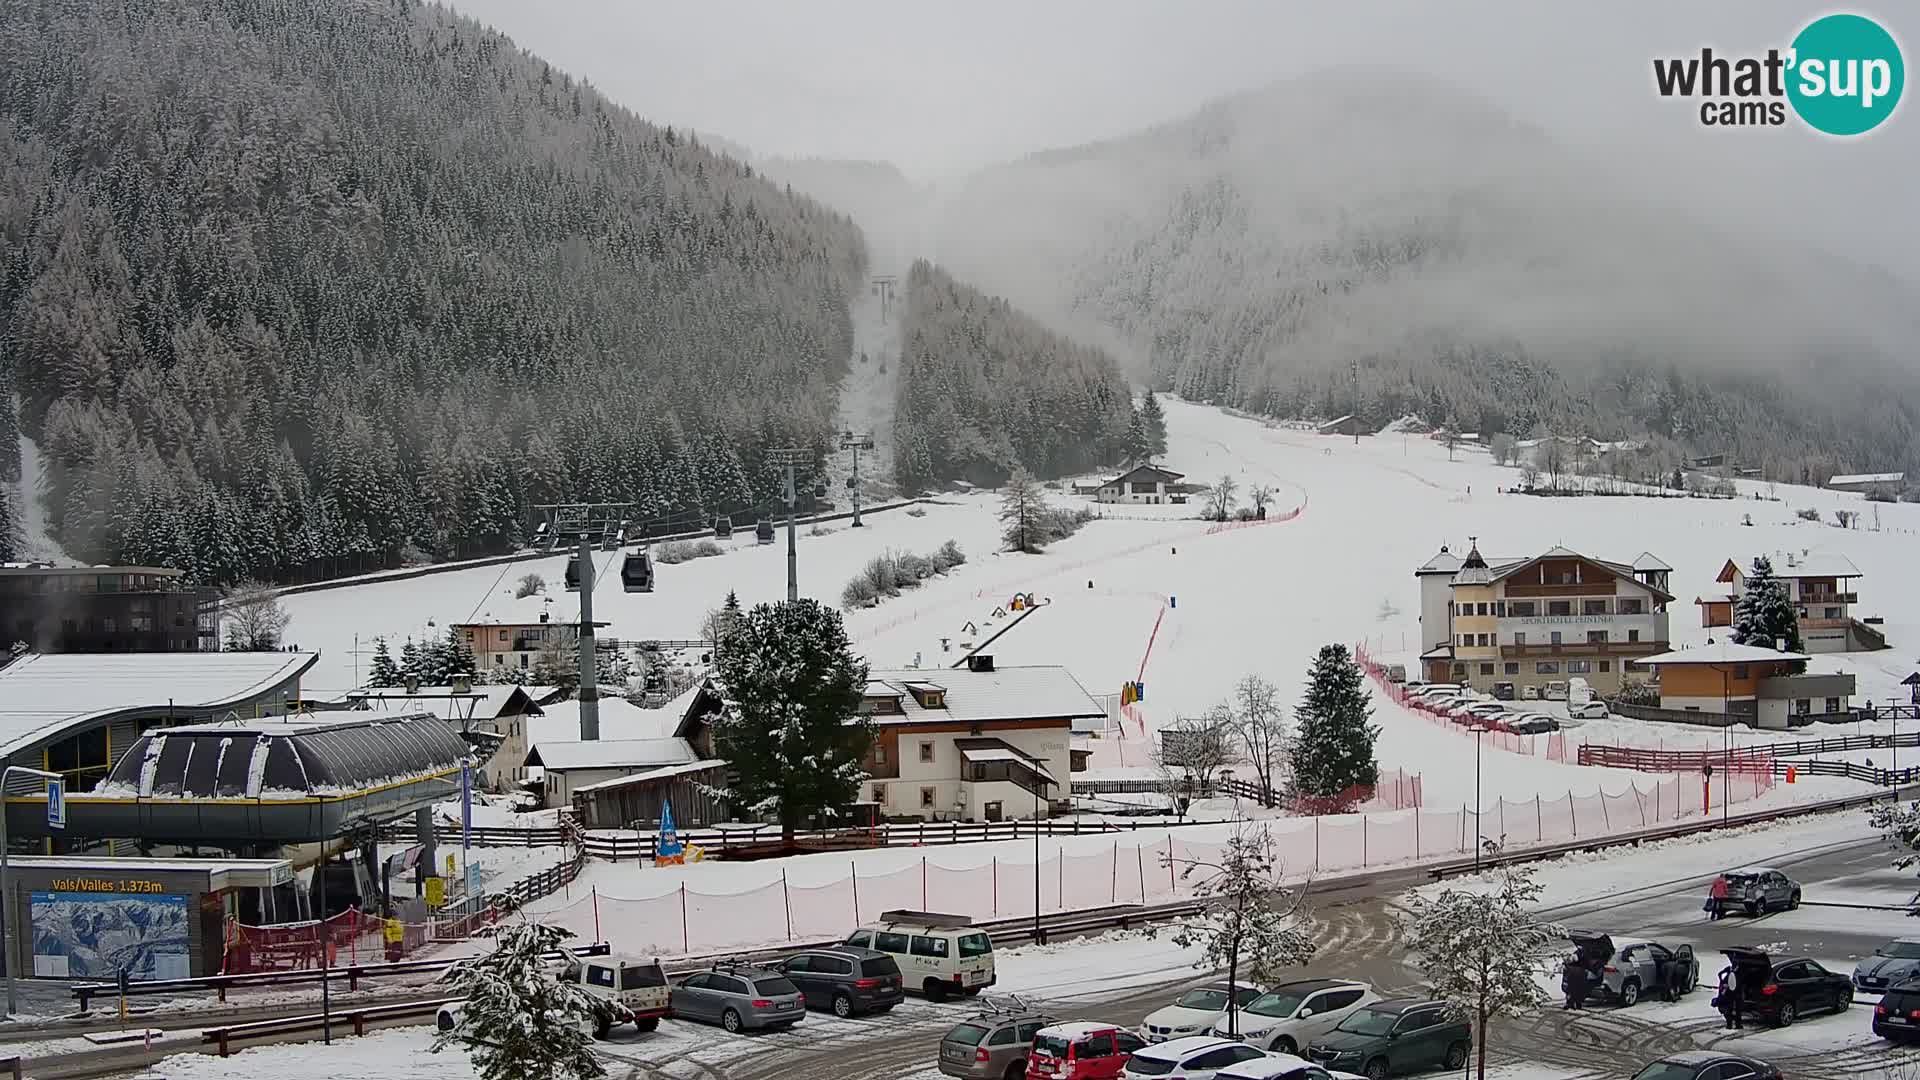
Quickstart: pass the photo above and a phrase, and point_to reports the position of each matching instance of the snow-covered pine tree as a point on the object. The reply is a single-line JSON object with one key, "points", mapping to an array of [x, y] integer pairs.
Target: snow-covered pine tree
{"points": [[384, 671], [1155, 421], [1333, 740], [410, 663], [1247, 921], [1023, 514], [8, 531], [459, 654], [1136, 447], [1765, 617], [519, 1021], [791, 683], [1480, 951]]}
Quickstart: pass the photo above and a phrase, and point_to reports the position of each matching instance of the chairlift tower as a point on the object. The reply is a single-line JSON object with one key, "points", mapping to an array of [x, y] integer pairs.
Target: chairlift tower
{"points": [[584, 524], [856, 442], [793, 459]]}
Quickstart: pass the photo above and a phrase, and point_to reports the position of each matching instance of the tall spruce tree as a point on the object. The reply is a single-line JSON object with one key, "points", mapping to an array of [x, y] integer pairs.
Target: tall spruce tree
{"points": [[1023, 514], [791, 728], [1765, 616], [410, 664], [1136, 445], [520, 1022], [384, 671], [1333, 744], [1155, 423], [460, 659]]}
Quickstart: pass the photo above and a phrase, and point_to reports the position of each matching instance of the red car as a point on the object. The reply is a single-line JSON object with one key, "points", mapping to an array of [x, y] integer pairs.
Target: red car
{"points": [[1082, 1050]]}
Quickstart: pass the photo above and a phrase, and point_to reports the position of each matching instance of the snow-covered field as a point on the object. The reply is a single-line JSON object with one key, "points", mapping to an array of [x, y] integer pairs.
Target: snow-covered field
{"points": [[1152, 594]]}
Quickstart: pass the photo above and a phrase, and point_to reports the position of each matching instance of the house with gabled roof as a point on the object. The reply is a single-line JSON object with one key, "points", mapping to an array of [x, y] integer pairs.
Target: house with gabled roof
{"points": [[1820, 585], [1507, 624], [972, 743], [1143, 484]]}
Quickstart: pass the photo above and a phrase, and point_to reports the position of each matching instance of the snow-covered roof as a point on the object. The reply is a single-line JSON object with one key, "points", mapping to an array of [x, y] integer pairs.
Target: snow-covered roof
{"points": [[1816, 564], [1647, 560], [1047, 692], [1867, 478], [612, 754], [482, 703], [665, 773], [1724, 652], [1150, 472], [45, 694], [619, 719], [985, 750], [1264, 1068], [1184, 1047], [1074, 1029]]}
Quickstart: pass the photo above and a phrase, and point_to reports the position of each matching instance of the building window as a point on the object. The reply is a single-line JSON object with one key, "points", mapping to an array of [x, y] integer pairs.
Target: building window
{"points": [[1632, 605], [1831, 613], [879, 793], [523, 660], [926, 798], [1579, 667], [1606, 666], [1803, 706], [1596, 637], [1480, 609], [1560, 607], [1466, 640], [1500, 609], [1145, 487], [1519, 637], [1593, 607], [469, 635], [1547, 667], [1512, 669], [1633, 635], [1554, 637], [879, 753], [1739, 671], [1482, 640], [1486, 669], [503, 635], [1521, 609], [926, 753], [1833, 704]]}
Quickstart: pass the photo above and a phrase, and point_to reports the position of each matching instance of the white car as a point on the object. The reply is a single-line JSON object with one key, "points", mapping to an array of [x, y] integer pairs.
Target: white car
{"points": [[1289, 1016], [1592, 709], [1196, 1057], [1196, 1011], [1281, 1067]]}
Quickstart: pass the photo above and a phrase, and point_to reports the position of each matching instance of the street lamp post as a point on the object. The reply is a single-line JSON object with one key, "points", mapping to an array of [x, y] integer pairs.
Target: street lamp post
{"points": [[6, 886]]}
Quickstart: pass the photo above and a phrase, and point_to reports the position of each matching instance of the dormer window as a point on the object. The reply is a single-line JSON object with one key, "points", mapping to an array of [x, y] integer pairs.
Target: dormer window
{"points": [[928, 695]]}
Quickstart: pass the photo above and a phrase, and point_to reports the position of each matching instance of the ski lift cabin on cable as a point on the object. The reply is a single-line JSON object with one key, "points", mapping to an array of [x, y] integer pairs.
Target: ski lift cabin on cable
{"points": [[573, 573], [763, 532], [723, 528], [636, 572]]}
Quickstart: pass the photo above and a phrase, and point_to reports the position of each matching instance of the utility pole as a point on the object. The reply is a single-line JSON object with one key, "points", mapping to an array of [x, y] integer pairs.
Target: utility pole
{"points": [[1355, 421], [856, 443], [589, 692], [791, 458]]}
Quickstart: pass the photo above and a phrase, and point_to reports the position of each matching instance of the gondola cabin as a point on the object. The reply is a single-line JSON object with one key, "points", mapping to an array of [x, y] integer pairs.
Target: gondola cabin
{"points": [[636, 572], [763, 532], [573, 574], [723, 528]]}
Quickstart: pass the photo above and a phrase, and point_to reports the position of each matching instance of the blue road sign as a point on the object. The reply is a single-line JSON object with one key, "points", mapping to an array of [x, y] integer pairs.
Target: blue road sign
{"points": [[56, 804]]}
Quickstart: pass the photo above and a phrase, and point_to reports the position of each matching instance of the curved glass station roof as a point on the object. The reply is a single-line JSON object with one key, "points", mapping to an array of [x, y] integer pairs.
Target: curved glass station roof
{"points": [[290, 758]]}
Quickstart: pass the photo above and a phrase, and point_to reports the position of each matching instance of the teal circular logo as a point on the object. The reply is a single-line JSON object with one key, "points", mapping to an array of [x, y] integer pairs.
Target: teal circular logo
{"points": [[1846, 76]]}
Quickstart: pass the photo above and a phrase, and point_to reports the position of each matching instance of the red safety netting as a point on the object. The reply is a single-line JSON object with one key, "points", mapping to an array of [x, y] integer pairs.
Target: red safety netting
{"points": [[351, 937]]}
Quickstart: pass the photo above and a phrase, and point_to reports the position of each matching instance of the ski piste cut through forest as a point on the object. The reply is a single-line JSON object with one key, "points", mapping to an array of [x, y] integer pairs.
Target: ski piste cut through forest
{"points": [[361, 278]]}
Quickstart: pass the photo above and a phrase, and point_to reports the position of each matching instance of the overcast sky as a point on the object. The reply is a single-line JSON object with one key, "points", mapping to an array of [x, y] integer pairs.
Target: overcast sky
{"points": [[941, 89]]}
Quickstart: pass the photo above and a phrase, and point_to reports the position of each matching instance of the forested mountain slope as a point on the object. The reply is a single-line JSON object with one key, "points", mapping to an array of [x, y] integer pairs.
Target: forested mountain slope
{"points": [[292, 284], [1479, 275], [983, 388]]}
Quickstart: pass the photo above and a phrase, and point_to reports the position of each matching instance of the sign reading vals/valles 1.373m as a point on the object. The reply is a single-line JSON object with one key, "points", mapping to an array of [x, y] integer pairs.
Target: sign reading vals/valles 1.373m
{"points": [[81, 885]]}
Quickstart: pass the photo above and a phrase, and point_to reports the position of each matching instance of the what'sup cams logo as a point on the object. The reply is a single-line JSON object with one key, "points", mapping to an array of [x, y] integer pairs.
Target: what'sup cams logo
{"points": [[1841, 76]]}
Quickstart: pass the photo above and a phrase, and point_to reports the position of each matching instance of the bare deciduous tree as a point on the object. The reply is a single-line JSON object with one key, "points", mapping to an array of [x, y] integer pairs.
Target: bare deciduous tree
{"points": [[254, 617], [1192, 751], [1261, 495], [1221, 498], [1260, 726], [529, 585]]}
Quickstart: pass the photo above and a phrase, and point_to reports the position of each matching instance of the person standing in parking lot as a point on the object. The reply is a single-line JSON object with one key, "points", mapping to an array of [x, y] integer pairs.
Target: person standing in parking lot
{"points": [[1573, 982], [1717, 898], [1729, 997]]}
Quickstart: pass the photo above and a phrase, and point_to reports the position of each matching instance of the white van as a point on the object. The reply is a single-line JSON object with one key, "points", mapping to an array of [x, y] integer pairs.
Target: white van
{"points": [[1555, 691], [937, 954]]}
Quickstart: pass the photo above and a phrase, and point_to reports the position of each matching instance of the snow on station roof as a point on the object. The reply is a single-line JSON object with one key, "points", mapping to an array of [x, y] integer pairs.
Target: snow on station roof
{"points": [[44, 696]]}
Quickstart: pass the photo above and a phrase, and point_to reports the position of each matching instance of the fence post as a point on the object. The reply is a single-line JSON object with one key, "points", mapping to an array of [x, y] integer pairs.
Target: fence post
{"points": [[1363, 839], [1140, 860], [1060, 878], [1539, 819], [1316, 843], [1114, 887], [856, 891], [996, 884], [1606, 819], [923, 883], [786, 901], [596, 911], [686, 934], [1416, 833], [1573, 814]]}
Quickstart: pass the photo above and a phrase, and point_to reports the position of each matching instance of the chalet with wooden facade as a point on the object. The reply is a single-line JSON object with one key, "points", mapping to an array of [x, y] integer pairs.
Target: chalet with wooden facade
{"points": [[1747, 684], [1143, 484], [1511, 623], [1822, 588]]}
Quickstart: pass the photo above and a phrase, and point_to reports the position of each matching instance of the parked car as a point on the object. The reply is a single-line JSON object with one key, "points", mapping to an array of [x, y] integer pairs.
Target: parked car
{"points": [[938, 955], [1781, 991], [1503, 691], [1554, 691], [1592, 709], [1890, 965], [847, 980], [1635, 967], [1195, 1057], [740, 998], [1761, 889], [1897, 1017], [1533, 724], [1707, 1065], [626, 990], [1082, 1050], [1281, 1067], [1388, 1038], [1397, 673], [992, 1044], [1196, 1011], [1290, 1015]]}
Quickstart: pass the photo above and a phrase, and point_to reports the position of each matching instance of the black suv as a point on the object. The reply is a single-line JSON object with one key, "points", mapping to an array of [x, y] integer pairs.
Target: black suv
{"points": [[847, 980]]}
